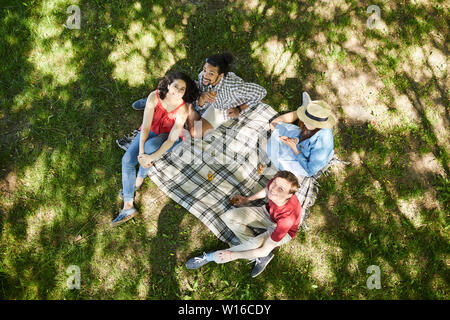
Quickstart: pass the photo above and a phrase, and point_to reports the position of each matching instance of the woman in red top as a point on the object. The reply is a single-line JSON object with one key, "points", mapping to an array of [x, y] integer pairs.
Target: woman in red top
{"points": [[162, 127]]}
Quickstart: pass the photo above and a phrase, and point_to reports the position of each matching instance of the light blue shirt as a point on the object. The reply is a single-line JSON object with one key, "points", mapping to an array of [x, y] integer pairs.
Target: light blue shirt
{"points": [[315, 152]]}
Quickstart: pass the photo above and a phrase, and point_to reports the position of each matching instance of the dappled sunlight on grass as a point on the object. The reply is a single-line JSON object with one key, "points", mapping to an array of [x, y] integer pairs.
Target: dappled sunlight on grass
{"points": [[57, 62], [42, 216], [145, 52], [426, 164], [65, 96], [409, 209], [317, 251], [276, 59], [51, 55], [49, 7]]}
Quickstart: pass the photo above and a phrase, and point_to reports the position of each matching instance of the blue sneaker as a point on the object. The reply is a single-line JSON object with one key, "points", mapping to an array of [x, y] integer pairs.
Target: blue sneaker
{"points": [[197, 262], [139, 104], [124, 216]]}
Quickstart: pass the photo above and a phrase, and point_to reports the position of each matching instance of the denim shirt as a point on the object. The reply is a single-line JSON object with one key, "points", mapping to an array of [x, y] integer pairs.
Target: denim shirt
{"points": [[315, 152]]}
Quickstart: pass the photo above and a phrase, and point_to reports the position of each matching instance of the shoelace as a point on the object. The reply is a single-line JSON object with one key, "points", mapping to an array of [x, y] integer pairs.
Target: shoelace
{"points": [[119, 217], [256, 260], [199, 259]]}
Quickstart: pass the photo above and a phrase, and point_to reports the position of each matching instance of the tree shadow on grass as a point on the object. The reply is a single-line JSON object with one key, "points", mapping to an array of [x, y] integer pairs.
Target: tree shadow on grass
{"points": [[371, 225], [68, 132], [163, 253], [67, 128]]}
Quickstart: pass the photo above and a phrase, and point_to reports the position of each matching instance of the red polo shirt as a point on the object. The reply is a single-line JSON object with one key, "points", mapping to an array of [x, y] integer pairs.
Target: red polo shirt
{"points": [[286, 217]]}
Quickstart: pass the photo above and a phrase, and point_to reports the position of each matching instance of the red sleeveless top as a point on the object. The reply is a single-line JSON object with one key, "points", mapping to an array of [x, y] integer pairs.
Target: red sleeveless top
{"points": [[163, 121]]}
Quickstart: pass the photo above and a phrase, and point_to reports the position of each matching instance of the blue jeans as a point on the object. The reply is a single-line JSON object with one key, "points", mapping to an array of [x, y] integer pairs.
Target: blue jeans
{"points": [[130, 161]]}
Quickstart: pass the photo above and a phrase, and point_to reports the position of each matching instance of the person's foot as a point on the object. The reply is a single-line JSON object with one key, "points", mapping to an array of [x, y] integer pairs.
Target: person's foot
{"points": [[138, 183], [124, 216], [136, 188], [197, 262], [139, 104], [261, 264], [235, 241], [123, 143]]}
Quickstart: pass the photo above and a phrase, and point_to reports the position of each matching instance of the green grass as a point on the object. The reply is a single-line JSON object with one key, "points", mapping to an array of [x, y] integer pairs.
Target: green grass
{"points": [[65, 96]]}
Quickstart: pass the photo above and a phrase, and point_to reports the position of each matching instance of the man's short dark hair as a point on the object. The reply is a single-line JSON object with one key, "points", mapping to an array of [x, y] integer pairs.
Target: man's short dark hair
{"points": [[222, 60], [289, 176]]}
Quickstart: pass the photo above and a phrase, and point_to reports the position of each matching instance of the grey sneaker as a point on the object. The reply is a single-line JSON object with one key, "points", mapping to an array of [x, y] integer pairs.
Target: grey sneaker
{"points": [[235, 241], [261, 264], [139, 104], [197, 262], [123, 143]]}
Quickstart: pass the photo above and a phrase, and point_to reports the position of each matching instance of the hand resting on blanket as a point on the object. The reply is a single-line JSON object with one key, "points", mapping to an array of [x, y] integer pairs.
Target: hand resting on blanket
{"points": [[238, 200]]}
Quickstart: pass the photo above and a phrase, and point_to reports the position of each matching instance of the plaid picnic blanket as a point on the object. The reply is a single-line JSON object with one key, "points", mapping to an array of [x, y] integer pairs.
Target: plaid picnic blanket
{"points": [[202, 174]]}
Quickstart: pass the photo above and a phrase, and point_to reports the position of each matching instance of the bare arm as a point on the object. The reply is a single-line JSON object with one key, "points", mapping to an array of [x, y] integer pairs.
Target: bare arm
{"points": [[259, 195], [149, 111], [174, 134], [252, 93], [234, 112], [287, 118]]}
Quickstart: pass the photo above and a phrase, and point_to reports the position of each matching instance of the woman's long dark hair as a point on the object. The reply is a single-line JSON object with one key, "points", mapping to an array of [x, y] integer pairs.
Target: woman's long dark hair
{"points": [[190, 95], [303, 128]]}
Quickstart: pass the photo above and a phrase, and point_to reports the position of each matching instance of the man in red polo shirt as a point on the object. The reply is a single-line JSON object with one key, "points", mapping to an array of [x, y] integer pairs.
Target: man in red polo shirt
{"points": [[280, 217]]}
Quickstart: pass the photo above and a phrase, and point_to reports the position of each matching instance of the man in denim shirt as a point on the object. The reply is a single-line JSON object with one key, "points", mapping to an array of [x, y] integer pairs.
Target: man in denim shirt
{"points": [[305, 149]]}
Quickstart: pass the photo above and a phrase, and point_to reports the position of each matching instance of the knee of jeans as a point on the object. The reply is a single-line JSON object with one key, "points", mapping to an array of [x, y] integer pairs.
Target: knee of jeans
{"points": [[151, 146], [127, 159]]}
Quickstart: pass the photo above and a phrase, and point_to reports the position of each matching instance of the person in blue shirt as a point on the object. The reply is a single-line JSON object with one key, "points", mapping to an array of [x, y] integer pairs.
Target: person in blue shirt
{"points": [[305, 148]]}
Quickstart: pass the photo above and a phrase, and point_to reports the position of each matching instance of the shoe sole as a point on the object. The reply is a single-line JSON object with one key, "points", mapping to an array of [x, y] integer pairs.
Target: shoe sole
{"points": [[196, 267], [138, 109], [120, 145], [131, 216], [253, 276]]}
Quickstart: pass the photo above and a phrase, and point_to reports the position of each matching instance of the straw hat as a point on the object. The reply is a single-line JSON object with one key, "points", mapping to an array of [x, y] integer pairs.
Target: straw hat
{"points": [[316, 113]]}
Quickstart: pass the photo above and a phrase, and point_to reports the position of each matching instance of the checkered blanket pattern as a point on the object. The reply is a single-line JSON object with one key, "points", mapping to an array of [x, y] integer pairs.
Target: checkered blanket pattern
{"points": [[202, 174]]}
